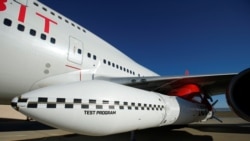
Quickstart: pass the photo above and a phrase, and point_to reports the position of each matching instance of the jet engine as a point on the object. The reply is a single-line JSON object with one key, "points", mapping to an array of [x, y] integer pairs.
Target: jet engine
{"points": [[237, 94], [100, 108]]}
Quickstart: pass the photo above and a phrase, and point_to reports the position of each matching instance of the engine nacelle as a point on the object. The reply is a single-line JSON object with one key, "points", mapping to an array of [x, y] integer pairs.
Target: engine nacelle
{"points": [[238, 94], [100, 108]]}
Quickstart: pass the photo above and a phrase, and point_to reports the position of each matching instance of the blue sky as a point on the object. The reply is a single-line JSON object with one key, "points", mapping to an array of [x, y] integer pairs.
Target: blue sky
{"points": [[168, 37]]}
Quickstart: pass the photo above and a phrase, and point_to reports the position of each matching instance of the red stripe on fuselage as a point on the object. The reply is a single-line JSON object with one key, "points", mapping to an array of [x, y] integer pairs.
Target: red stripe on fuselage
{"points": [[22, 13], [47, 22], [3, 5]]}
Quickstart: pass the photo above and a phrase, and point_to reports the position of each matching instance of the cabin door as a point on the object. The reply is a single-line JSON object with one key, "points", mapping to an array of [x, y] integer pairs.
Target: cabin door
{"points": [[75, 53]]}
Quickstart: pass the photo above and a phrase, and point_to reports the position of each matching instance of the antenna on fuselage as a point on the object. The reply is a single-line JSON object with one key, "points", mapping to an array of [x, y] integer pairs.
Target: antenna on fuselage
{"points": [[186, 72]]}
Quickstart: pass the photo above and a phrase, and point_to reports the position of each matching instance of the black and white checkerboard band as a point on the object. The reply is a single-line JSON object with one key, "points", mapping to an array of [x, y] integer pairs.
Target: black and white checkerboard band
{"points": [[89, 104]]}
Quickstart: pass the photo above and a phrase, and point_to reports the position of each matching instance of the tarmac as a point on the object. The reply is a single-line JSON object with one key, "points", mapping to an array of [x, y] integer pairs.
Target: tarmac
{"points": [[14, 127]]}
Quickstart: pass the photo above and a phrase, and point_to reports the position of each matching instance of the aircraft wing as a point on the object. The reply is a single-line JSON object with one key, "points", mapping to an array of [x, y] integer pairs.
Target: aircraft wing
{"points": [[211, 84]]}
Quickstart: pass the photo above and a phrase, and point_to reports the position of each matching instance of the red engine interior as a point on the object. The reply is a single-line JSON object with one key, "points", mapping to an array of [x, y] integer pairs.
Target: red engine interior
{"points": [[186, 91], [191, 92]]}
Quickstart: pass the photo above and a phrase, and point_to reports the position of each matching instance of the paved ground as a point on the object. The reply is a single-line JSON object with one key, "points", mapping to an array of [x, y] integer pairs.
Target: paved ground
{"points": [[14, 127]]}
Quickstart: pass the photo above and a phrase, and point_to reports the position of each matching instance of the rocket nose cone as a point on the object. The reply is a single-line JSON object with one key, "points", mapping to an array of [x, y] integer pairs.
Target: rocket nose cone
{"points": [[14, 103]]}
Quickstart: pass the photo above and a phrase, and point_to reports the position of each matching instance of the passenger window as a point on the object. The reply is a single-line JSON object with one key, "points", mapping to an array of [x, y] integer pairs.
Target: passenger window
{"points": [[53, 40], [44, 9], [43, 36], [7, 22], [79, 51], [52, 13], [89, 55], [20, 27], [35, 4], [32, 32]]}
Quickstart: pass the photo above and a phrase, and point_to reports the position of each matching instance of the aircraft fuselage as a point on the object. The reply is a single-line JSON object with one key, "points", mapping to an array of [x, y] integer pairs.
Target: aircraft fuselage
{"points": [[38, 44]]}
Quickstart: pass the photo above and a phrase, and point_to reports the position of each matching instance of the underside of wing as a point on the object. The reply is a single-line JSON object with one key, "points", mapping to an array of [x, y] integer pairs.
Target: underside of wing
{"points": [[211, 84]]}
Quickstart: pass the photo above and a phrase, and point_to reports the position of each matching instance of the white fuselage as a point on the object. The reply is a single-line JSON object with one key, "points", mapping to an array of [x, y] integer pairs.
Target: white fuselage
{"points": [[40, 47]]}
